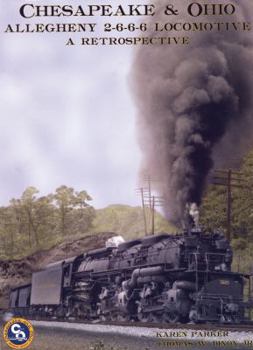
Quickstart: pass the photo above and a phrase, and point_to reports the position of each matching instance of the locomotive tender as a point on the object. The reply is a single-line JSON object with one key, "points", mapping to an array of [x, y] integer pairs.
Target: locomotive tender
{"points": [[164, 278]]}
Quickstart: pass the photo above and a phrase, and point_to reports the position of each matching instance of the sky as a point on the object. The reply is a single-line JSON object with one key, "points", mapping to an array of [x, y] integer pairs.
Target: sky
{"points": [[67, 116]]}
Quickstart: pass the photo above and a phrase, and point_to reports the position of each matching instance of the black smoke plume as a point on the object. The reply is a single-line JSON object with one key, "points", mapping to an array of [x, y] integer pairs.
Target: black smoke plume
{"points": [[194, 104]]}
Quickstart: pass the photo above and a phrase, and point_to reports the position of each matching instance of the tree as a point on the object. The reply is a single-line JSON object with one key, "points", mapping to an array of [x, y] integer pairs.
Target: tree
{"points": [[83, 214], [64, 198], [213, 209], [75, 214], [32, 221], [8, 232], [28, 205]]}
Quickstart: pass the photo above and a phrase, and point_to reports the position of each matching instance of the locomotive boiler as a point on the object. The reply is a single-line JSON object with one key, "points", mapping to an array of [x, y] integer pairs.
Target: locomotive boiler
{"points": [[163, 278]]}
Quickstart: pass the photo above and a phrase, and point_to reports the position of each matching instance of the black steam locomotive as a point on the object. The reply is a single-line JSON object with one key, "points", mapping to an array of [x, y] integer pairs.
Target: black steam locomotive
{"points": [[163, 278]]}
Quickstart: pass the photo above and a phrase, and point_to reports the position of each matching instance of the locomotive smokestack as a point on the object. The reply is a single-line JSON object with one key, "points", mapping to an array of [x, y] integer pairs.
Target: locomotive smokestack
{"points": [[194, 213], [194, 104], [191, 217]]}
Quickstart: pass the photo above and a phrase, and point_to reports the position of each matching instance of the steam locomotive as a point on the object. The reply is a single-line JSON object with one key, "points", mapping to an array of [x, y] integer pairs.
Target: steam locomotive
{"points": [[163, 278]]}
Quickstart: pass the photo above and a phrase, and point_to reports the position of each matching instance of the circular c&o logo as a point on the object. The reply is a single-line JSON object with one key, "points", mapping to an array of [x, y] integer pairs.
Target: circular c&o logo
{"points": [[18, 333]]}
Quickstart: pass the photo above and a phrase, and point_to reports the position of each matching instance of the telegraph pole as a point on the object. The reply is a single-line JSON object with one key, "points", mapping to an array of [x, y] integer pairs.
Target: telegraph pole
{"points": [[229, 179], [149, 203], [153, 216], [149, 190], [143, 210], [229, 204]]}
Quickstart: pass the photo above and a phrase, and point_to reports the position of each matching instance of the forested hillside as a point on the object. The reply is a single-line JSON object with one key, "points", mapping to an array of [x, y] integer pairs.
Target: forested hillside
{"points": [[213, 212], [129, 222], [33, 222]]}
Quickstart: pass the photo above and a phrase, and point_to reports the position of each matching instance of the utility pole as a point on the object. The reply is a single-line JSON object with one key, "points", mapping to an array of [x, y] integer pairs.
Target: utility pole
{"points": [[143, 210], [229, 179], [149, 203], [149, 190], [153, 216], [229, 204]]}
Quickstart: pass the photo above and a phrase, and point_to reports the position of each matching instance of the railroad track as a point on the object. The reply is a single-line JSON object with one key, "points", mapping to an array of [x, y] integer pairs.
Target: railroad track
{"points": [[207, 326], [247, 327]]}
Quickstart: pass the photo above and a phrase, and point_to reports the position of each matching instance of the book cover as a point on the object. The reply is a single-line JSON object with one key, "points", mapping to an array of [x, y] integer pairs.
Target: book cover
{"points": [[126, 174]]}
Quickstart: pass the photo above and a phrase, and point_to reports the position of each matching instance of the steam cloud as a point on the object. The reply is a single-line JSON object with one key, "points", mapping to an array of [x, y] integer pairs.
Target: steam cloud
{"points": [[194, 105]]}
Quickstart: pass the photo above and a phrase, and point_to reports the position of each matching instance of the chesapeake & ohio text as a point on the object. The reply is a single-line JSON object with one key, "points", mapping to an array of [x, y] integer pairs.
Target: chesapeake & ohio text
{"points": [[194, 9]]}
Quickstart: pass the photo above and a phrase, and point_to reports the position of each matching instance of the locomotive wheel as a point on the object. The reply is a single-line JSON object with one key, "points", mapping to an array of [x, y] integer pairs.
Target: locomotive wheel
{"points": [[193, 316], [148, 317], [171, 316], [108, 317], [102, 318], [143, 317], [113, 317], [122, 318], [154, 318]]}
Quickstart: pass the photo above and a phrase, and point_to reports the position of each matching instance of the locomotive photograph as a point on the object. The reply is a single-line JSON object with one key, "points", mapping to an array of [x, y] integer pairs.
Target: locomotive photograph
{"points": [[126, 205], [162, 278]]}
